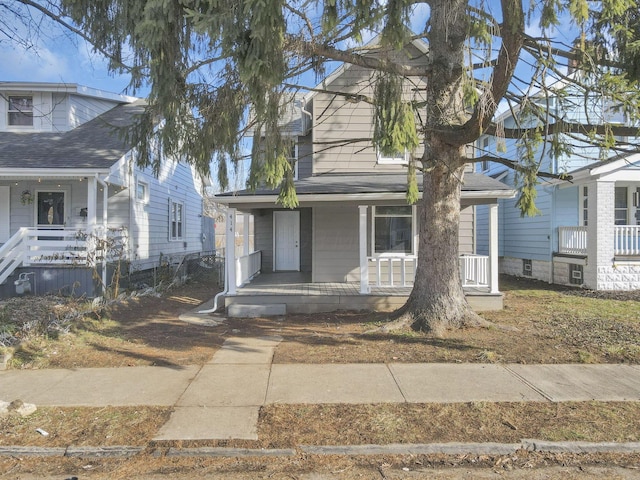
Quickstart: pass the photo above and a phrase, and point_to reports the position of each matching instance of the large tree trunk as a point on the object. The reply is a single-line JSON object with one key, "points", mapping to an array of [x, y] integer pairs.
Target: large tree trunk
{"points": [[437, 301]]}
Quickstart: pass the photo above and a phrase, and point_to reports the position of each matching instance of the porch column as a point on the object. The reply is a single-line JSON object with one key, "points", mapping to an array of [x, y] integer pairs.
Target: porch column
{"points": [[364, 263], [92, 200], [245, 234], [599, 272], [493, 248], [230, 249]]}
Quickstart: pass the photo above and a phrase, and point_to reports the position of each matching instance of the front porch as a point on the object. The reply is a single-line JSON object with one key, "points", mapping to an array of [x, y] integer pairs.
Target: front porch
{"points": [[296, 291]]}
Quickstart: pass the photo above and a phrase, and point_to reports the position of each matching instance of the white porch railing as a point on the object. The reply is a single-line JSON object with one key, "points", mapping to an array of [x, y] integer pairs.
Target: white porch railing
{"points": [[400, 271], [393, 271], [572, 240], [247, 267], [60, 246], [627, 240], [474, 270]]}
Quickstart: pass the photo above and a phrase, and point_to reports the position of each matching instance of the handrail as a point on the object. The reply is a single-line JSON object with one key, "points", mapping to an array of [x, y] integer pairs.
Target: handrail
{"points": [[247, 267]]}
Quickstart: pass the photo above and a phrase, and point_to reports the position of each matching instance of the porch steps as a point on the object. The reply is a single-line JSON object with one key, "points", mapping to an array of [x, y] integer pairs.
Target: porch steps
{"points": [[253, 311]]}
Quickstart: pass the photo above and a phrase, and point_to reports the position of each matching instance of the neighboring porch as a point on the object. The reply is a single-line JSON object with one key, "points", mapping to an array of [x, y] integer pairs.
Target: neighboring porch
{"points": [[603, 253], [575, 241]]}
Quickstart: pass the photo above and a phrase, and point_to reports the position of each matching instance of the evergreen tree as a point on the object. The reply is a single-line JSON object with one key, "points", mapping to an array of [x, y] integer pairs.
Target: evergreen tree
{"points": [[209, 62]]}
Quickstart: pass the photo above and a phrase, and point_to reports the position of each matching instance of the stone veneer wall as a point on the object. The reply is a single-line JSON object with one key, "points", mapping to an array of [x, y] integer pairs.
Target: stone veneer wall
{"points": [[513, 266]]}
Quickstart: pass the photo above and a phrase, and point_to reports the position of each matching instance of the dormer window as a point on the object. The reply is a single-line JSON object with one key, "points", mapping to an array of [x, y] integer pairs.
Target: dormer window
{"points": [[20, 111]]}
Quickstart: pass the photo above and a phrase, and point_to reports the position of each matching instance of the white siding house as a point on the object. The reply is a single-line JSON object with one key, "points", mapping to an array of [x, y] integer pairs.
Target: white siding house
{"points": [[66, 171]]}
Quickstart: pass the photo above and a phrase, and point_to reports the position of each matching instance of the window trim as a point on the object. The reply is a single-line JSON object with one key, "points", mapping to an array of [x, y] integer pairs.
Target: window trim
{"points": [[18, 111], [397, 160], [626, 208], [413, 217], [145, 199], [181, 229], [584, 205]]}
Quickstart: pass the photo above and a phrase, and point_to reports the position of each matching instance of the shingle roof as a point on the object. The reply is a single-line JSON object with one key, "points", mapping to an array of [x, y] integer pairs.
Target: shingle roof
{"points": [[372, 183], [96, 144]]}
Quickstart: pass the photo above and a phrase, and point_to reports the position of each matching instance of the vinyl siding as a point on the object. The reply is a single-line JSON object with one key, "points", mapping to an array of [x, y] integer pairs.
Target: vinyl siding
{"points": [[527, 237], [305, 157], [335, 119], [466, 241], [336, 244], [149, 222], [82, 109]]}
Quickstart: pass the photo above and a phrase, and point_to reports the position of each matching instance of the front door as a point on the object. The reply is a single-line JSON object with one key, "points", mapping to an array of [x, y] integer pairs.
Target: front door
{"points": [[286, 248], [50, 209]]}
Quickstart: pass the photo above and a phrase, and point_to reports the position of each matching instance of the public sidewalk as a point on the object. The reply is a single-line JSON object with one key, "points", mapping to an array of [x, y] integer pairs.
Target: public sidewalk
{"points": [[221, 399]]}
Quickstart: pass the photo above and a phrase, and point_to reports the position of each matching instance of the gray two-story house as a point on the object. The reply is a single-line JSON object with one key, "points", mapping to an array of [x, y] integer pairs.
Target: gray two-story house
{"points": [[353, 241]]}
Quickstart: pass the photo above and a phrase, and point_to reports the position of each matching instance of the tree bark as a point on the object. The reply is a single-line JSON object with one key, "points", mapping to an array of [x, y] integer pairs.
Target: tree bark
{"points": [[437, 301]]}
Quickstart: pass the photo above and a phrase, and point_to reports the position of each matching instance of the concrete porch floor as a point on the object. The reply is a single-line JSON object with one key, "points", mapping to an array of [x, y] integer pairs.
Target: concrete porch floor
{"points": [[295, 290]]}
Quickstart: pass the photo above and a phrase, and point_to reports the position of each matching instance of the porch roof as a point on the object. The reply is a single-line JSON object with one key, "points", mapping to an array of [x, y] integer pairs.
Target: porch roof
{"points": [[366, 186], [93, 146]]}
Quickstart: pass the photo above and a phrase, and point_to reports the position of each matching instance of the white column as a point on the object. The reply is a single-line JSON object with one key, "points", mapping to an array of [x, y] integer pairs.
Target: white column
{"points": [[493, 248], [245, 234], [599, 271], [230, 248], [92, 200], [364, 263]]}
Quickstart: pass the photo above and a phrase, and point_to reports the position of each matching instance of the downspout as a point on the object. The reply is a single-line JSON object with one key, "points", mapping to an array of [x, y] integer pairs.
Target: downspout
{"points": [[221, 294], [230, 257]]}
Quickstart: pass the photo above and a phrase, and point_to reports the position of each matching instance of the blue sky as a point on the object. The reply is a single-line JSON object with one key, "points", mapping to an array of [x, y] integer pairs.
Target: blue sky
{"points": [[58, 59]]}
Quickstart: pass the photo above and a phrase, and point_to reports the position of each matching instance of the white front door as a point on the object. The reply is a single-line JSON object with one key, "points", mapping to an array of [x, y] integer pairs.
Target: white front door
{"points": [[286, 241]]}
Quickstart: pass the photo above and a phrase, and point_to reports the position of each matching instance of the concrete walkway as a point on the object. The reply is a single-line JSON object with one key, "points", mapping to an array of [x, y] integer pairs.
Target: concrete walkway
{"points": [[221, 399]]}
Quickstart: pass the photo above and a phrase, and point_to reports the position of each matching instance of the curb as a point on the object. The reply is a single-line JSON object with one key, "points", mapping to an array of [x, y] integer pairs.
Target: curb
{"points": [[497, 449]]}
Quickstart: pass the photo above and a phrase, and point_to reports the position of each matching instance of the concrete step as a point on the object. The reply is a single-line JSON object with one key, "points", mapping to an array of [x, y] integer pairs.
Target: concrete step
{"points": [[253, 311]]}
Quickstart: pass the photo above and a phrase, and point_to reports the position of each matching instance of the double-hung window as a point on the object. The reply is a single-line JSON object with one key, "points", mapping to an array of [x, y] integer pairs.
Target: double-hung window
{"points": [[393, 230], [20, 111], [621, 206], [176, 220]]}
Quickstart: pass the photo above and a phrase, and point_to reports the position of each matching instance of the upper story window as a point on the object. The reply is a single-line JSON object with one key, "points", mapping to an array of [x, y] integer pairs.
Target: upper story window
{"points": [[292, 156], [399, 158], [484, 165], [393, 229], [142, 191], [20, 111]]}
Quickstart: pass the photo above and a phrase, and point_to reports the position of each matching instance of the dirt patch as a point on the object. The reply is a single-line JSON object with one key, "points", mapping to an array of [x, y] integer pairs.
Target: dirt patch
{"points": [[84, 426], [141, 330]]}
